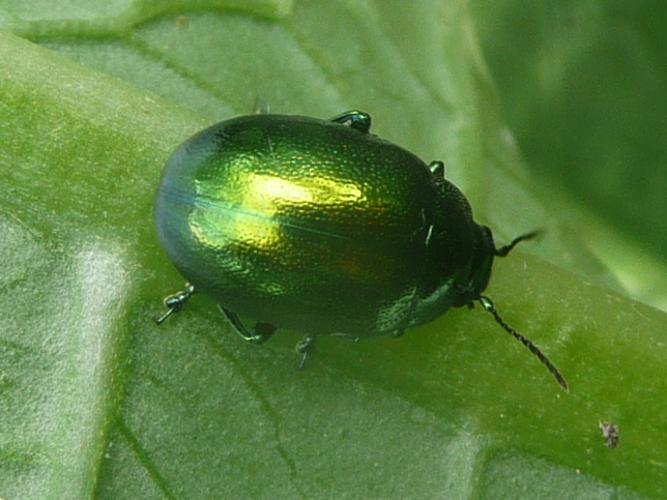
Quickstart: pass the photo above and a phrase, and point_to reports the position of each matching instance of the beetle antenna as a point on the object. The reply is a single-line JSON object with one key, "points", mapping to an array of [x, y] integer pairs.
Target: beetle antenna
{"points": [[487, 304], [503, 251]]}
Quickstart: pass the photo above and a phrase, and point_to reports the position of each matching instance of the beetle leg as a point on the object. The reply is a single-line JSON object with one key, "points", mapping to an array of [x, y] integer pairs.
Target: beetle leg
{"points": [[175, 303], [260, 333], [358, 120], [305, 347], [261, 107], [346, 336], [437, 169]]}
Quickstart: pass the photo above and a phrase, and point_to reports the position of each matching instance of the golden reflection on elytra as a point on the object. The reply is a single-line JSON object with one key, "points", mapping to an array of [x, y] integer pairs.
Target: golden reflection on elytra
{"points": [[245, 210]]}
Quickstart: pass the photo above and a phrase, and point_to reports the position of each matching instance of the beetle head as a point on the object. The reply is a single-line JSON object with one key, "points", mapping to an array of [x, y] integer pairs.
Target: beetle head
{"points": [[482, 260], [479, 278], [480, 267]]}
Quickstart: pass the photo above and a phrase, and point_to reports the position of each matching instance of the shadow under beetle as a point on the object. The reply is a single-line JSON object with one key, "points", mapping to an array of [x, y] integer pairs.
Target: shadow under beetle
{"points": [[321, 227]]}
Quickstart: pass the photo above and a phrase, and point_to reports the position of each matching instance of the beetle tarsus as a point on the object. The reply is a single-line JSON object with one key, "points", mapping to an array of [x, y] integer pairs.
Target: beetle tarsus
{"points": [[355, 119], [305, 347], [174, 303]]}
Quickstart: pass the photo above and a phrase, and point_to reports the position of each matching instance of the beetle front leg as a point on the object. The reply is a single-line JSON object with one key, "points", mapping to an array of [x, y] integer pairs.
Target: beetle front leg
{"points": [[259, 334]]}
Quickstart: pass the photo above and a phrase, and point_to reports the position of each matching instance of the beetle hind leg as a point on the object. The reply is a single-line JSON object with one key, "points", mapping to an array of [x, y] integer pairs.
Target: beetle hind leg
{"points": [[174, 303], [259, 334]]}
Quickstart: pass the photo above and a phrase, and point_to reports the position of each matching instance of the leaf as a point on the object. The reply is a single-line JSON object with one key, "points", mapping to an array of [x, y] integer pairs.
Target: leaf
{"points": [[96, 400]]}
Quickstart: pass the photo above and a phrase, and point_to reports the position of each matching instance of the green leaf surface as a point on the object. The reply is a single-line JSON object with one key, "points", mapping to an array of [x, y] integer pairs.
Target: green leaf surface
{"points": [[95, 400]]}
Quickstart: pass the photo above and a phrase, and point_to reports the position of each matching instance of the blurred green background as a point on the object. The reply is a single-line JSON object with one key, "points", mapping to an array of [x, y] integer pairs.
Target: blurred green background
{"points": [[583, 88]]}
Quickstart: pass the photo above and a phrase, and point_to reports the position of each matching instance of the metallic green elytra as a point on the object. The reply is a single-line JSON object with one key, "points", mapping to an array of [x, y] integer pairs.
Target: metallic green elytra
{"points": [[319, 226]]}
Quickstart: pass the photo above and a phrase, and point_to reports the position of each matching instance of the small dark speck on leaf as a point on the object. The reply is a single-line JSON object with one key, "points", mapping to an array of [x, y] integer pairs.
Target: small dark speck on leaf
{"points": [[609, 433]]}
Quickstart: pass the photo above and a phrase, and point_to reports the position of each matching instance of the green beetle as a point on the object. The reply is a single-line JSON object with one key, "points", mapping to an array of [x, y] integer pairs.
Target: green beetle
{"points": [[321, 227]]}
